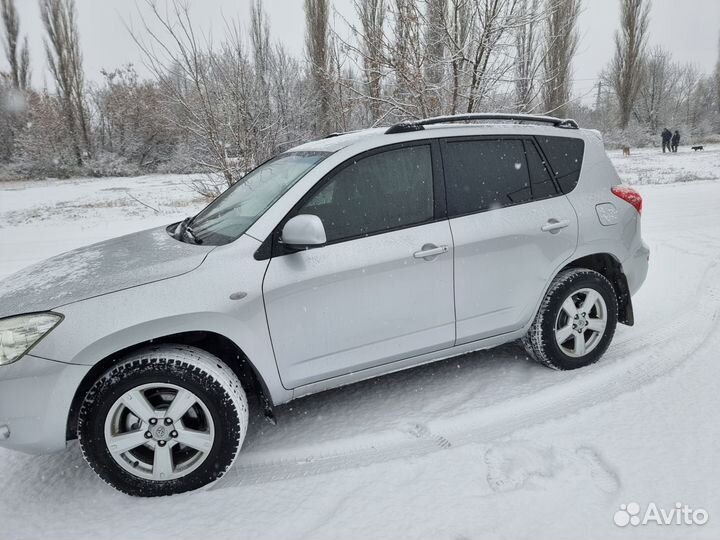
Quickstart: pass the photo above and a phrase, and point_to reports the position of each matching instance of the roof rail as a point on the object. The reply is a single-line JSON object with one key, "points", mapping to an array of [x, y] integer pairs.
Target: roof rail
{"points": [[341, 133], [419, 125]]}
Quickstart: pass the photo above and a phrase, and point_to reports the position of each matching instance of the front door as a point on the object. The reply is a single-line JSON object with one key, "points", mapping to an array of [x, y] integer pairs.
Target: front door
{"points": [[381, 290]]}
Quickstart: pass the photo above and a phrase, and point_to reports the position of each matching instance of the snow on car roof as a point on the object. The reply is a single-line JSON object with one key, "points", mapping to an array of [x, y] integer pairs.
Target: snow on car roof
{"points": [[334, 143]]}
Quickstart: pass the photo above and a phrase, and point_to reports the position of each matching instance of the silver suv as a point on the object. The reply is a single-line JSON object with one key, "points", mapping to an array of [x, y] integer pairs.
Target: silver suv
{"points": [[337, 261]]}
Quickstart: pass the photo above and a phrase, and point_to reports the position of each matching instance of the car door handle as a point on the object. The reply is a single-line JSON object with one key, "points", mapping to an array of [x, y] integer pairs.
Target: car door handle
{"points": [[553, 225], [430, 251]]}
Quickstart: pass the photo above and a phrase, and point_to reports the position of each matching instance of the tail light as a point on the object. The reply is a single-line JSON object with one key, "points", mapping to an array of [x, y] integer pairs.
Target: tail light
{"points": [[628, 194]]}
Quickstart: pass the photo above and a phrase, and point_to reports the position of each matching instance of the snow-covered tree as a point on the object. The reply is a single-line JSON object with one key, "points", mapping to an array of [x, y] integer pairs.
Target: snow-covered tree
{"points": [[435, 43], [489, 59], [717, 83], [629, 61], [13, 84], [225, 104], [129, 121], [528, 61], [459, 29], [560, 45], [657, 89], [17, 55], [317, 44], [371, 14], [44, 148], [64, 58]]}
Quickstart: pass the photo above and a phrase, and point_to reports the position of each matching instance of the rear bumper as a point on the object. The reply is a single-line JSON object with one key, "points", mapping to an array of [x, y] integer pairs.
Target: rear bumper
{"points": [[35, 399], [636, 266]]}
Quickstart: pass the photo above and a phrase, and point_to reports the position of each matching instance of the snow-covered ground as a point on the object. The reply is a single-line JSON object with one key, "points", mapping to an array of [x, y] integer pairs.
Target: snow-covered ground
{"points": [[488, 445], [39, 219], [651, 166]]}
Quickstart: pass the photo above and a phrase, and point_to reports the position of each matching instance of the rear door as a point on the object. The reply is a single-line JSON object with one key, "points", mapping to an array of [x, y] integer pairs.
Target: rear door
{"points": [[381, 290], [512, 228]]}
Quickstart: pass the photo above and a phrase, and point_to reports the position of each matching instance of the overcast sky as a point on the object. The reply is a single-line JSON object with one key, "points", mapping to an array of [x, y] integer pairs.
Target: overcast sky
{"points": [[689, 28]]}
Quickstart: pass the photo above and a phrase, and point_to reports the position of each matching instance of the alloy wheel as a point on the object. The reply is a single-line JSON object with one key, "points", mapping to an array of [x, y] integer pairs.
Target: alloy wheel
{"points": [[581, 322], [159, 431]]}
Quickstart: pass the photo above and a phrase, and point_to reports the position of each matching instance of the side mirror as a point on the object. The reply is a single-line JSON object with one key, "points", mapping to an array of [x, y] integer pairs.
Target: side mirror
{"points": [[304, 231]]}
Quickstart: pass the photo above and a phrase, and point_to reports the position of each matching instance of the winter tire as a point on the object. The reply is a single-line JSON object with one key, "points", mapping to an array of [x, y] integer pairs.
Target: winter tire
{"points": [[162, 421], [576, 321]]}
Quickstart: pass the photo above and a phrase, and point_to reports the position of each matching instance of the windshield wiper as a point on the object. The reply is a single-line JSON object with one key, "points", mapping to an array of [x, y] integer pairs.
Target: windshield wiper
{"points": [[183, 231], [191, 235]]}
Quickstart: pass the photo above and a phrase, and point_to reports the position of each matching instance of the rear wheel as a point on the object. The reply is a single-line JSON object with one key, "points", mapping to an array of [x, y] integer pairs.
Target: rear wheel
{"points": [[163, 421], [576, 321]]}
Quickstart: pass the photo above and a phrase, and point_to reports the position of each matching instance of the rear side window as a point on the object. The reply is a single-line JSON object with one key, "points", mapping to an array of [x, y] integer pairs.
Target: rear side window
{"points": [[540, 175], [565, 156], [377, 193], [485, 174]]}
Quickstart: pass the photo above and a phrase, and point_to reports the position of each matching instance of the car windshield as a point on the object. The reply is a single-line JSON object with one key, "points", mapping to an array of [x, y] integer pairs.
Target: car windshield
{"points": [[231, 214]]}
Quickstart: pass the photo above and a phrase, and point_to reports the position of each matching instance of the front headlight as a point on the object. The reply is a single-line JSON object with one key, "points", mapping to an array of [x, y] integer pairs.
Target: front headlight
{"points": [[19, 334]]}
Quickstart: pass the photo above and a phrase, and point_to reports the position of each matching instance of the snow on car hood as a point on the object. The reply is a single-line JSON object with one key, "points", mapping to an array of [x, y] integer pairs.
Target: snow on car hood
{"points": [[102, 268]]}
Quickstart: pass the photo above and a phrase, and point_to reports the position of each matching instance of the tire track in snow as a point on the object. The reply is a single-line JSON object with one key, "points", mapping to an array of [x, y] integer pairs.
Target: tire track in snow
{"points": [[621, 370]]}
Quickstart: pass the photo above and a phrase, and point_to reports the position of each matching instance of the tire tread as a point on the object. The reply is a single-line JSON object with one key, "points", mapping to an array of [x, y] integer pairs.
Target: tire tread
{"points": [[535, 341], [173, 358]]}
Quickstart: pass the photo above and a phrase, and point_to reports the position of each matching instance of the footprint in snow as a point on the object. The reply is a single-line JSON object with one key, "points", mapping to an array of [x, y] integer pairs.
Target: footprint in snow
{"points": [[514, 466], [603, 476], [421, 431]]}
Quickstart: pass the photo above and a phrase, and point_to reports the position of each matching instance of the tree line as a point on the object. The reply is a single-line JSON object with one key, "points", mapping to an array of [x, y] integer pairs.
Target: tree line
{"points": [[225, 106]]}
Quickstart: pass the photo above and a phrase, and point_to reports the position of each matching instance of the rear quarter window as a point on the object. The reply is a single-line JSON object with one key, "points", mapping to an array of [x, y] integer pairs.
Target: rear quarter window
{"points": [[565, 156]]}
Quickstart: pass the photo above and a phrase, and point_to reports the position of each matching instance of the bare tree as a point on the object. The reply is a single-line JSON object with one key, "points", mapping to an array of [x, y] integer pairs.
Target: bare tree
{"points": [[235, 105], [717, 79], [529, 57], [13, 85], [688, 79], [458, 32], [560, 46], [659, 81], [394, 54], [435, 42], [17, 56], [291, 100], [219, 104], [42, 147], [487, 65], [317, 43], [129, 122], [191, 79], [701, 102], [260, 87], [372, 20], [62, 48], [260, 39], [406, 59], [629, 60], [440, 55]]}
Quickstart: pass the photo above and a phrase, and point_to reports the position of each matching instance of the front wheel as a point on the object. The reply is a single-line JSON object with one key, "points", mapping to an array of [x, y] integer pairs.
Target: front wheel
{"points": [[163, 421], [576, 321]]}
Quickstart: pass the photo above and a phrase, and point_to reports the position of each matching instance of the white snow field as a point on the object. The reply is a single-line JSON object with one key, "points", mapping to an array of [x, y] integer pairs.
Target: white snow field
{"points": [[488, 445]]}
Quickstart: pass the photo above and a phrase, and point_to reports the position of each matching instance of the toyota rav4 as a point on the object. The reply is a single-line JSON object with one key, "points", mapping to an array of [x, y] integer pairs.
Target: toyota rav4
{"points": [[339, 260]]}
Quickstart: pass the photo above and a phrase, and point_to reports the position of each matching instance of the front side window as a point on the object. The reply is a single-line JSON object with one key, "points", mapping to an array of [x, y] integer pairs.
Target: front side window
{"points": [[376, 193], [231, 214], [485, 174]]}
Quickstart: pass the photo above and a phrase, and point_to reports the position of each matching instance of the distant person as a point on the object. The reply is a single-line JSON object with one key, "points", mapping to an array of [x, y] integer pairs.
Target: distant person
{"points": [[675, 141], [666, 140]]}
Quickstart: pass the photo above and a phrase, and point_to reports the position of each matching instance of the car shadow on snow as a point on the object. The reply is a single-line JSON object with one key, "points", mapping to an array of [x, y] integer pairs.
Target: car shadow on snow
{"points": [[404, 401], [401, 401]]}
